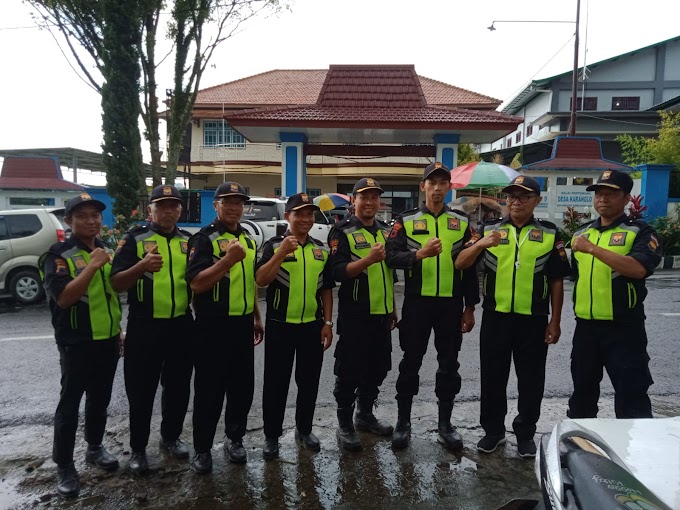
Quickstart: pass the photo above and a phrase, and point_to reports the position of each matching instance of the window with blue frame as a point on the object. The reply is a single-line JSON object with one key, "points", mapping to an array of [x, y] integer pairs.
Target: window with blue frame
{"points": [[219, 134]]}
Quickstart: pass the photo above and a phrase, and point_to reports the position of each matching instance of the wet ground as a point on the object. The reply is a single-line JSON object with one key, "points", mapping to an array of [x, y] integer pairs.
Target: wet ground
{"points": [[423, 476]]}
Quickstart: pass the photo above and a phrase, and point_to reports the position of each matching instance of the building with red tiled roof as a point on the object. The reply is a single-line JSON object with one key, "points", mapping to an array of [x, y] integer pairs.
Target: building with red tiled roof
{"points": [[30, 182], [379, 120]]}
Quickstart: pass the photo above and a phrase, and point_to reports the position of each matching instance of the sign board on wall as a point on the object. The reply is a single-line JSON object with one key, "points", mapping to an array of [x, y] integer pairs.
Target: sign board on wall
{"points": [[573, 196]]}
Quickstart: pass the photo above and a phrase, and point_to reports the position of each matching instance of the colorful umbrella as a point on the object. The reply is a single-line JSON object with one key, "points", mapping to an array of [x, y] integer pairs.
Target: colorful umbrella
{"points": [[481, 174], [329, 201]]}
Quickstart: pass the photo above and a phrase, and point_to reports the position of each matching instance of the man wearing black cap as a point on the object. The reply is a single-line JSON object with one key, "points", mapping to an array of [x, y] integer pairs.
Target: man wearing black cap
{"points": [[221, 273], [294, 268], [86, 318], [524, 264], [366, 314], [611, 257], [150, 263], [424, 243]]}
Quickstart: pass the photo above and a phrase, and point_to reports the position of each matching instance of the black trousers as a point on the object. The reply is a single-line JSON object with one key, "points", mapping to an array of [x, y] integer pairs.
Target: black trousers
{"points": [[285, 343], [86, 367], [622, 350], [420, 315], [225, 366], [506, 336], [363, 357], [158, 349]]}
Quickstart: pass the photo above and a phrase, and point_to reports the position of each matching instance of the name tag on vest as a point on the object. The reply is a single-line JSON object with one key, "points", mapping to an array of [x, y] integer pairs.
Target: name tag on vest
{"points": [[504, 235]]}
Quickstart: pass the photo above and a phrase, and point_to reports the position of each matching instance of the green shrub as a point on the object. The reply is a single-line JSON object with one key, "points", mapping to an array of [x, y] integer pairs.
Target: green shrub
{"points": [[668, 230]]}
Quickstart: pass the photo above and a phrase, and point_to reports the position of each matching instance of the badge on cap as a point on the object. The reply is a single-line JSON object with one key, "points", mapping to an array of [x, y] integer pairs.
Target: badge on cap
{"points": [[370, 182], [304, 197], [85, 196], [606, 175], [167, 191], [234, 186], [519, 180], [437, 165]]}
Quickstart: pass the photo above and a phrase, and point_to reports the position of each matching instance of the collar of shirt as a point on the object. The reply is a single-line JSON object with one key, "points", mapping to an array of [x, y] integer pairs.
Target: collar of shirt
{"points": [[156, 228], [598, 225], [359, 224], [423, 208], [75, 241], [222, 228], [532, 221]]}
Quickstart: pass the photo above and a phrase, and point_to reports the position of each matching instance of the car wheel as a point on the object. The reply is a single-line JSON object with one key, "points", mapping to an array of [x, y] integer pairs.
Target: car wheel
{"points": [[26, 287]]}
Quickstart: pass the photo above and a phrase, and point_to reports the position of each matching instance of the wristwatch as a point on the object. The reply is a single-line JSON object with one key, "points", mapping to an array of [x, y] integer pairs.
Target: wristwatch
{"points": [[328, 323]]}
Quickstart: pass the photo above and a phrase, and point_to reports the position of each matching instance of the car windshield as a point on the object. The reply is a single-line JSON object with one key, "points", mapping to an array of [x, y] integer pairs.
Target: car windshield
{"points": [[260, 211]]}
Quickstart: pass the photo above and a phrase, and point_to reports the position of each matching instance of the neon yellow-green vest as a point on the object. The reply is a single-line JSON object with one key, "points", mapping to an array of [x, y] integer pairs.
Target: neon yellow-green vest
{"points": [[435, 276], [515, 280], [163, 294], [376, 283], [98, 310], [293, 296], [236, 291], [600, 293]]}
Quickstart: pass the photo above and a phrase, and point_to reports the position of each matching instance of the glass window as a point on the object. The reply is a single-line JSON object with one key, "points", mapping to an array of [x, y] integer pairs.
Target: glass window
{"points": [[625, 103], [3, 229], [36, 201], [260, 211], [219, 134], [23, 225]]}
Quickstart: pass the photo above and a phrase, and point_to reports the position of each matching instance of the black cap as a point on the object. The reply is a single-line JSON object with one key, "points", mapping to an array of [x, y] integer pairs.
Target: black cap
{"points": [[230, 189], [523, 182], [83, 198], [364, 184], [435, 167], [165, 193], [298, 201], [613, 179]]}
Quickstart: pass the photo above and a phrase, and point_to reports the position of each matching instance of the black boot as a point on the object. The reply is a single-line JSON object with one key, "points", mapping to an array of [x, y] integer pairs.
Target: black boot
{"points": [[68, 484], [347, 436], [100, 457], [366, 421], [448, 435], [402, 432]]}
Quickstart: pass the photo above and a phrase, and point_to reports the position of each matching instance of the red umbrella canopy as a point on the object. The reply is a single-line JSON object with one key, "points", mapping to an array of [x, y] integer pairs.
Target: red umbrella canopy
{"points": [[480, 174]]}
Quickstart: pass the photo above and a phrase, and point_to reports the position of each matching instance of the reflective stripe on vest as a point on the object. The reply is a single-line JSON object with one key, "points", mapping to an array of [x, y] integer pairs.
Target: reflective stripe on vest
{"points": [[592, 293], [100, 302], [241, 275], [516, 270], [379, 276], [437, 272], [301, 276], [170, 295]]}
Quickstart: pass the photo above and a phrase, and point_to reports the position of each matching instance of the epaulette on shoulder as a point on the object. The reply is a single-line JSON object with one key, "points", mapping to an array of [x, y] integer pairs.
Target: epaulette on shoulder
{"points": [[410, 212], [184, 232], [316, 241], [459, 212], [548, 224], [381, 224], [343, 223], [636, 221], [492, 221], [138, 229]]}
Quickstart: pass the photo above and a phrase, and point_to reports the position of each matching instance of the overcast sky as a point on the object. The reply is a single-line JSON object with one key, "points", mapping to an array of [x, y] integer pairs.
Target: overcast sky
{"points": [[44, 104]]}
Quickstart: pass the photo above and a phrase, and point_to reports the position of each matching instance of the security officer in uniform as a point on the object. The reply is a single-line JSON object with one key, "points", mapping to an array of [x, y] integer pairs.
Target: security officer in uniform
{"points": [[366, 314], [86, 318], [150, 263], [524, 264], [295, 269], [611, 257], [424, 243], [221, 273]]}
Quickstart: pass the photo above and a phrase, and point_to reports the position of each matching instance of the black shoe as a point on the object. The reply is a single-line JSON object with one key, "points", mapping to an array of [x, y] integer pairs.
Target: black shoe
{"points": [[489, 443], [176, 448], [138, 463], [97, 455], [309, 441], [450, 438], [237, 453], [526, 448], [365, 420], [68, 484], [401, 436], [271, 448], [347, 436], [202, 463]]}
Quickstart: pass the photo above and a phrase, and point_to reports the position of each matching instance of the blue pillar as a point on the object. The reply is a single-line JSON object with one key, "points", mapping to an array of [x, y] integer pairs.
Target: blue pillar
{"points": [[446, 149], [655, 182], [293, 163]]}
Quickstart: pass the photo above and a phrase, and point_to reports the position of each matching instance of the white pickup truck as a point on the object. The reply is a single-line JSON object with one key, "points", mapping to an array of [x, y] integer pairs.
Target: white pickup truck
{"points": [[264, 219]]}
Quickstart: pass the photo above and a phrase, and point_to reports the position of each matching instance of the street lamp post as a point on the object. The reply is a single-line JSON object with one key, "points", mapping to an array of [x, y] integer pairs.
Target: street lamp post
{"points": [[574, 83]]}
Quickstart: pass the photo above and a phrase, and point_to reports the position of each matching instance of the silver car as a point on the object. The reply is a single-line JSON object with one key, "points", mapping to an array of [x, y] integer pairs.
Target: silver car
{"points": [[25, 234]]}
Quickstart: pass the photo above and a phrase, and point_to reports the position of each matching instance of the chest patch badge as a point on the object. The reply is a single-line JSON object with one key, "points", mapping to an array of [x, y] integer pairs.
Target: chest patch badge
{"points": [[454, 224], [536, 235], [318, 254], [360, 240], [504, 235], [420, 227], [80, 263], [184, 246], [618, 239], [223, 244], [148, 246]]}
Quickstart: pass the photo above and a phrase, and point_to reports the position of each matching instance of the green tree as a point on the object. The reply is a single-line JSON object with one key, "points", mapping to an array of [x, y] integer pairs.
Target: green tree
{"points": [[467, 154], [663, 149]]}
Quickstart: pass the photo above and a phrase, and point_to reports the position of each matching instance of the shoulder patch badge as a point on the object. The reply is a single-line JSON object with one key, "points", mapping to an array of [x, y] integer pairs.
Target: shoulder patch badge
{"points": [[334, 246], [618, 239], [192, 254], [61, 267], [653, 242], [395, 229], [120, 244], [559, 246]]}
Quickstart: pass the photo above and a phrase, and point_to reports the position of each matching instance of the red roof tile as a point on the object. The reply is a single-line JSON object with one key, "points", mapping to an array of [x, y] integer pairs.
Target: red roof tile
{"points": [[577, 153], [302, 87], [34, 173]]}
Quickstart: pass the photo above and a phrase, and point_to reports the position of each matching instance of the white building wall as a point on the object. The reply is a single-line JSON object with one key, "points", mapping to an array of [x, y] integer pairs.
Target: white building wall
{"points": [[669, 94], [638, 67], [604, 98], [672, 68]]}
